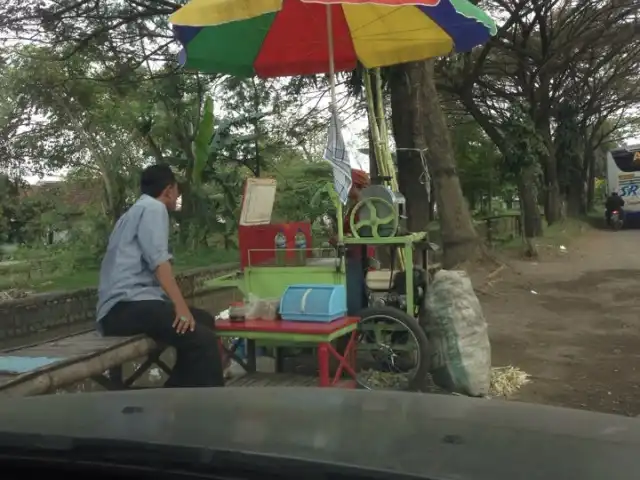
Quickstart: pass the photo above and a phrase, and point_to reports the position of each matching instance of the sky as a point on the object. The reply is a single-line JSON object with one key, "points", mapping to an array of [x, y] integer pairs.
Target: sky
{"points": [[350, 133]]}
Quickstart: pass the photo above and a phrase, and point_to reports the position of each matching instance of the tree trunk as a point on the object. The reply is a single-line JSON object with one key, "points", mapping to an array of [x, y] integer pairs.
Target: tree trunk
{"points": [[459, 237], [433, 214], [532, 225], [591, 177], [576, 193], [113, 195], [189, 220], [187, 213], [531, 222], [577, 172], [408, 134], [553, 198]]}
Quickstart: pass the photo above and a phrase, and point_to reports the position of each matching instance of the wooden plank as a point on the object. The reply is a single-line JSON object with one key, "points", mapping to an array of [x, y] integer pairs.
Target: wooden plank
{"points": [[85, 355], [79, 344]]}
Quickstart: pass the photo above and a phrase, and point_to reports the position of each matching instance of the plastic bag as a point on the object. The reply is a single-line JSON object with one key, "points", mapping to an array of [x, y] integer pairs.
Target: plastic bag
{"points": [[261, 308], [458, 334]]}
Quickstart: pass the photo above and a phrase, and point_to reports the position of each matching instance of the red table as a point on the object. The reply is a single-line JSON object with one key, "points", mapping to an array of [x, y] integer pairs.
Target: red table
{"points": [[320, 335]]}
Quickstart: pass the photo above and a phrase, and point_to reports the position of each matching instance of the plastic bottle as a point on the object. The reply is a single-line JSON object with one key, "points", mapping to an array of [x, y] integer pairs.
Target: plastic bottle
{"points": [[301, 247], [281, 245]]}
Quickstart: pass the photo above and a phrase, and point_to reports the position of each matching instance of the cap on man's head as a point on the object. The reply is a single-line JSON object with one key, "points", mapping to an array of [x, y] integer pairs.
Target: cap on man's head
{"points": [[360, 178]]}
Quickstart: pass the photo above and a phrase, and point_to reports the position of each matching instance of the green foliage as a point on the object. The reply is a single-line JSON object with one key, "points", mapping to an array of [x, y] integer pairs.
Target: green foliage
{"points": [[88, 238], [26, 218], [82, 125], [102, 98], [8, 201], [299, 183], [202, 141], [569, 144], [33, 218], [99, 122], [524, 145], [478, 163], [326, 198]]}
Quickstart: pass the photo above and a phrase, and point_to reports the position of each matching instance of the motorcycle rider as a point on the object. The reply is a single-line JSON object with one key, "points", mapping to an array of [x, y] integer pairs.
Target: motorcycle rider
{"points": [[614, 203]]}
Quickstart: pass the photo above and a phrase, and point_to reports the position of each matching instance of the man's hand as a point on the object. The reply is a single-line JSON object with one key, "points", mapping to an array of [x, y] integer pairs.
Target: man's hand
{"points": [[184, 321]]}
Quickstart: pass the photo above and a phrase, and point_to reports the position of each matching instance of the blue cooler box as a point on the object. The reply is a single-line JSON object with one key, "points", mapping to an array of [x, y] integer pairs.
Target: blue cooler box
{"points": [[313, 303]]}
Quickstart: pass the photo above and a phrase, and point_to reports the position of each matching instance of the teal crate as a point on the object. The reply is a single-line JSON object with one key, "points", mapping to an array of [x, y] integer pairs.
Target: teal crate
{"points": [[313, 303]]}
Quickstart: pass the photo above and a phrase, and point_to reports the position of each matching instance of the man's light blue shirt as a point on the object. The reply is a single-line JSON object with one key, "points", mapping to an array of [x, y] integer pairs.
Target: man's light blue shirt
{"points": [[138, 244]]}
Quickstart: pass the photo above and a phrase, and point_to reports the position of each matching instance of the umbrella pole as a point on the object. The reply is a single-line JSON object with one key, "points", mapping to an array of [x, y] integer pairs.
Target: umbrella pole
{"points": [[332, 66], [332, 85]]}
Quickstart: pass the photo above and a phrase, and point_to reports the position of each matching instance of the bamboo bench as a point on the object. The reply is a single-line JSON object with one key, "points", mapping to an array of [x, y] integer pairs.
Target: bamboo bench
{"points": [[51, 365]]}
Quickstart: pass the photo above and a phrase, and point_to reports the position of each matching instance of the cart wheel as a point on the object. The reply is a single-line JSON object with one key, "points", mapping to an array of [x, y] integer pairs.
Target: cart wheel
{"points": [[393, 350]]}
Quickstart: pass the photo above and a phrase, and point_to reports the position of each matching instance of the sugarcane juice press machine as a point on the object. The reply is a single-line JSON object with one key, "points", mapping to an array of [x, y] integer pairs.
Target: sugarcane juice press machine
{"points": [[275, 256]]}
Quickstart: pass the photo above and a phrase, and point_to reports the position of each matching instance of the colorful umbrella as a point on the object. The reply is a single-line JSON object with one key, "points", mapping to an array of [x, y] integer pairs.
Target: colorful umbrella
{"points": [[273, 38]]}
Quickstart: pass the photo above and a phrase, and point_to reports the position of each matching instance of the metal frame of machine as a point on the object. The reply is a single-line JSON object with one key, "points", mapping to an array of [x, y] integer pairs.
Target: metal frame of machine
{"points": [[376, 220], [269, 281]]}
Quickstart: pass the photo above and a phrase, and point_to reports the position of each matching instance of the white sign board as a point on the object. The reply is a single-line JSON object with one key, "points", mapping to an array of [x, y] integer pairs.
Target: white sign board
{"points": [[257, 204]]}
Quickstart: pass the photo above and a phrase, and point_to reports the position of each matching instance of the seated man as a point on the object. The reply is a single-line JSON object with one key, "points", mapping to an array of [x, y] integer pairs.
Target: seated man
{"points": [[138, 293], [614, 203]]}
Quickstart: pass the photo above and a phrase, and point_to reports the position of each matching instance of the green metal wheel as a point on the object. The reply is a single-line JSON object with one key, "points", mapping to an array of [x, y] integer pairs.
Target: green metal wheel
{"points": [[367, 211]]}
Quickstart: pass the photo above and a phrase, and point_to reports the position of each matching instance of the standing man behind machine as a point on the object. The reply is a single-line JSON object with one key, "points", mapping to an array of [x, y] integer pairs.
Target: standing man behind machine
{"points": [[356, 255]]}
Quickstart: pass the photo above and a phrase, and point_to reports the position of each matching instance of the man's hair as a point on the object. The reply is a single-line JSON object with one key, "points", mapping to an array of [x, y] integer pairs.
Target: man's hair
{"points": [[155, 179]]}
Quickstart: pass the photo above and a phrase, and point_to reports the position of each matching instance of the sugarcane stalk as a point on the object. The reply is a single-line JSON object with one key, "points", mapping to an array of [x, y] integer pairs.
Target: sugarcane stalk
{"points": [[373, 125], [380, 136], [384, 133]]}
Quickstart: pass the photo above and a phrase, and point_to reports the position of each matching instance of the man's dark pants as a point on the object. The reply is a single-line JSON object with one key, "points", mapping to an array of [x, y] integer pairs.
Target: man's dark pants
{"points": [[198, 362]]}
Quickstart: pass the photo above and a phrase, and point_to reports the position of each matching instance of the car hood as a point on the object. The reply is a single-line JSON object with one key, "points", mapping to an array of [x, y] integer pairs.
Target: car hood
{"points": [[435, 436]]}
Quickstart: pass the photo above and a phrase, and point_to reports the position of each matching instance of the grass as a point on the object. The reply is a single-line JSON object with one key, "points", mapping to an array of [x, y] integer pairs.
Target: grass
{"points": [[560, 234], [44, 271], [564, 232], [185, 260], [51, 274]]}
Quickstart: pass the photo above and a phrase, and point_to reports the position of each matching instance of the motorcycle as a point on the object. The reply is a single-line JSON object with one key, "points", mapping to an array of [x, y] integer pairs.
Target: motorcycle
{"points": [[616, 220]]}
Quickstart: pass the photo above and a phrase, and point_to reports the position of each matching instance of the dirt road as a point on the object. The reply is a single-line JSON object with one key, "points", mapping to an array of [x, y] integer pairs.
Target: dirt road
{"points": [[573, 323]]}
